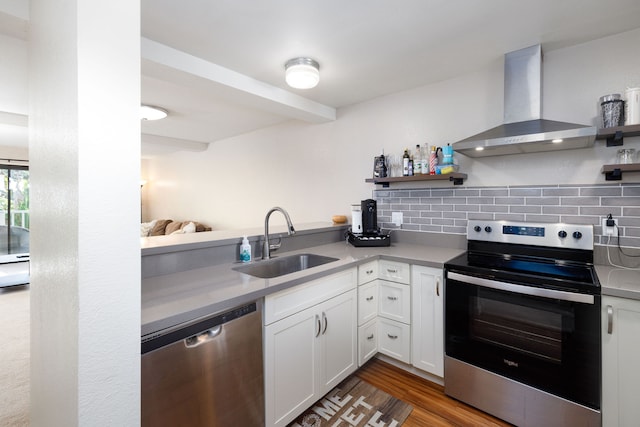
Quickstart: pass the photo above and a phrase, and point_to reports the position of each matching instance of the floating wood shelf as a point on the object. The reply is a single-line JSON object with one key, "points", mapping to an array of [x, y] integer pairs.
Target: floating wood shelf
{"points": [[615, 136], [614, 172], [456, 177]]}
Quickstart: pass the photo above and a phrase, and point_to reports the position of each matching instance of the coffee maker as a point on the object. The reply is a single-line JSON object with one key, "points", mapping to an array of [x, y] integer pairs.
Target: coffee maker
{"points": [[369, 210], [371, 235]]}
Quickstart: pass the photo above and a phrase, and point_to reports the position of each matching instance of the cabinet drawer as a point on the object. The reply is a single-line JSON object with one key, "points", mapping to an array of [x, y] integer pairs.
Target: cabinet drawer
{"points": [[367, 302], [395, 271], [367, 272], [367, 341], [290, 301], [394, 339], [395, 301]]}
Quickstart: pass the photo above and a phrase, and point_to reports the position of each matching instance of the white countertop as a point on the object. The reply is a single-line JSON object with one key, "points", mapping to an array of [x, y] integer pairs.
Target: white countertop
{"points": [[174, 299], [619, 282]]}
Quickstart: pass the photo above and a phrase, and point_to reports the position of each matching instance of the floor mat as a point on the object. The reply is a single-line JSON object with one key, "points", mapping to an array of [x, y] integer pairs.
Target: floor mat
{"points": [[355, 403]]}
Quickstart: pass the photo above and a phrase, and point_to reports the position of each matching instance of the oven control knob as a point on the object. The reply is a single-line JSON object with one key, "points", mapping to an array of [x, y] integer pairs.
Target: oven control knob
{"points": [[477, 228], [487, 229], [577, 235], [562, 234]]}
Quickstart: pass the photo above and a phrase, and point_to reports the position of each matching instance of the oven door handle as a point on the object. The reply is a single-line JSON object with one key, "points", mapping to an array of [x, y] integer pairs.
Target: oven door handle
{"points": [[519, 289]]}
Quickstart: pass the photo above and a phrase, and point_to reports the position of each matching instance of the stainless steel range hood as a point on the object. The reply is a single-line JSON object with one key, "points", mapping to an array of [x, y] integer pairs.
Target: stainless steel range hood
{"points": [[524, 130]]}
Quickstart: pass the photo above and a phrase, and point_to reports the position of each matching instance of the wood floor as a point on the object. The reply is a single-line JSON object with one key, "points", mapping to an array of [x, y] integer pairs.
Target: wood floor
{"points": [[431, 407]]}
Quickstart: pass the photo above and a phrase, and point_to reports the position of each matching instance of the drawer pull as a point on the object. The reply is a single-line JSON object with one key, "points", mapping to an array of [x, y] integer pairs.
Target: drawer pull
{"points": [[369, 271], [393, 337], [393, 271], [370, 337], [369, 298], [392, 298]]}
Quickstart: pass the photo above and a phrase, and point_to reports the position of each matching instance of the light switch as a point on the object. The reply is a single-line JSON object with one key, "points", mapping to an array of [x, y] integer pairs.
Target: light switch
{"points": [[396, 218]]}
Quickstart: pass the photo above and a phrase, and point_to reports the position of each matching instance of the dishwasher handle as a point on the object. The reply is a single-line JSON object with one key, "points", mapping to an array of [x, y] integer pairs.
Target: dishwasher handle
{"points": [[199, 331], [202, 338]]}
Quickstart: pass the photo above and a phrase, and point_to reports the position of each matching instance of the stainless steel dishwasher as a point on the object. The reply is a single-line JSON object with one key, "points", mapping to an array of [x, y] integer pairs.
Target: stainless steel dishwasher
{"points": [[207, 373]]}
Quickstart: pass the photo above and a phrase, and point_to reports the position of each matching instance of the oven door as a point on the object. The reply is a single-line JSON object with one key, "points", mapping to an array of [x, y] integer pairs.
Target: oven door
{"points": [[544, 338]]}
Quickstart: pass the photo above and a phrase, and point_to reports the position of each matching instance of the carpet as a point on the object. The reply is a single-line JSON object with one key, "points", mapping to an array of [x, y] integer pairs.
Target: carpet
{"points": [[14, 356], [355, 403]]}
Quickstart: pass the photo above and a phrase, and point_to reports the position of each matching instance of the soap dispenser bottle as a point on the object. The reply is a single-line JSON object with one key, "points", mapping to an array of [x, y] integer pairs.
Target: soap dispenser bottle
{"points": [[245, 250]]}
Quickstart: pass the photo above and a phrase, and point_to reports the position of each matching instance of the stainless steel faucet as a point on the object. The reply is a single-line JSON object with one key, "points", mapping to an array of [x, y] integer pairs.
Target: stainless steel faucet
{"points": [[266, 247]]}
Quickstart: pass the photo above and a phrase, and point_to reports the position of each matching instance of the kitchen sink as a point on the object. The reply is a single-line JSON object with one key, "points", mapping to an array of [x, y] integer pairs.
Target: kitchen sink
{"points": [[276, 267]]}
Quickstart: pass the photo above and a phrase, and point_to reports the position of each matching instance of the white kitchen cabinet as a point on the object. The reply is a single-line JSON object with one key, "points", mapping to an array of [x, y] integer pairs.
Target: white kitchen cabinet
{"points": [[367, 341], [394, 339], [367, 302], [395, 301], [394, 271], [620, 356], [367, 272], [427, 321], [309, 352], [384, 310]]}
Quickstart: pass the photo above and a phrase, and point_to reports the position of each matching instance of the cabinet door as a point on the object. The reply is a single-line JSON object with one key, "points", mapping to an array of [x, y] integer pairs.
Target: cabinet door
{"points": [[395, 301], [427, 319], [620, 356], [338, 334], [290, 362], [394, 271], [367, 341], [367, 302], [394, 339], [367, 272]]}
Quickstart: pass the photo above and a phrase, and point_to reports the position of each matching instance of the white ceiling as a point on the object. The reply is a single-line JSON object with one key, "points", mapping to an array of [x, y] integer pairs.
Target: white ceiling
{"points": [[217, 66]]}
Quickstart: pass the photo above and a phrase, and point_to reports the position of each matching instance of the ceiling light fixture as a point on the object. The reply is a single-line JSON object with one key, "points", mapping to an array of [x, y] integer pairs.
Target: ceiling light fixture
{"points": [[557, 140], [148, 112], [302, 73]]}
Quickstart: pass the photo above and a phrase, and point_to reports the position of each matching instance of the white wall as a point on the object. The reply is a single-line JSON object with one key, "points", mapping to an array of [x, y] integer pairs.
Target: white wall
{"points": [[84, 148], [316, 171]]}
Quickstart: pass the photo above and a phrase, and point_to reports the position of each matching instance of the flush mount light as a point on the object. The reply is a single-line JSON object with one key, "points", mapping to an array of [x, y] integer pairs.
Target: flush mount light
{"points": [[302, 73], [556, 141], [148, 112]]}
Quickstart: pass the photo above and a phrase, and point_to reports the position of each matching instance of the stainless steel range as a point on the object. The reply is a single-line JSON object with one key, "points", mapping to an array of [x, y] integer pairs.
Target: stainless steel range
{"points": [[522, 324]]}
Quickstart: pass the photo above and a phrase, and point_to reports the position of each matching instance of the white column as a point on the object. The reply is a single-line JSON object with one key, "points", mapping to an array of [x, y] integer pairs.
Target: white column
{"points": [[84, 153]]}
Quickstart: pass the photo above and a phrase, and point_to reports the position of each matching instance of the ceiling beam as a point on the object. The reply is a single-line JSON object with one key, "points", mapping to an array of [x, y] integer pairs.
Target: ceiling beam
{"points": [[162, 61]]}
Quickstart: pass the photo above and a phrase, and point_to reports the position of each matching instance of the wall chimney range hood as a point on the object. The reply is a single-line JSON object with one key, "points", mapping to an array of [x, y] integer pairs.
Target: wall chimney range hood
{"points": [[524, 130]]}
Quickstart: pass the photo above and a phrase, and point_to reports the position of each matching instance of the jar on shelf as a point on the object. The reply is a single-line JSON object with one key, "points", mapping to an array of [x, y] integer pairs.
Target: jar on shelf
{"points": [[612, 110], [626, 155]]}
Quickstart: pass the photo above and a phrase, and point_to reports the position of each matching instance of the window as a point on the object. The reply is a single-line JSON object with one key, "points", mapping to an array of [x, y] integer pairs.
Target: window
{"points": [[14, 210]]}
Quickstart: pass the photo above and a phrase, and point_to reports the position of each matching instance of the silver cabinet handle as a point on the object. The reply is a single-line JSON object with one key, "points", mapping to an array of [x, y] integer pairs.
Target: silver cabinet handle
{"points": [[609, 319], [317, 326], [392, 298], [393, 337], [391, 271], [370, 298], [437, 286], [370, 337], [326, 323]]}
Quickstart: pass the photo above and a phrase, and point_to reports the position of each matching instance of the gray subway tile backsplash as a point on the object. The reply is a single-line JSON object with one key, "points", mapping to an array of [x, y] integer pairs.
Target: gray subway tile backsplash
{"points": [[447, 210]]}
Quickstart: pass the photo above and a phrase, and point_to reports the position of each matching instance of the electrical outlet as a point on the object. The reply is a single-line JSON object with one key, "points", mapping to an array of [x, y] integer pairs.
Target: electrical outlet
{"points": [[609, 230], [396, 218]]}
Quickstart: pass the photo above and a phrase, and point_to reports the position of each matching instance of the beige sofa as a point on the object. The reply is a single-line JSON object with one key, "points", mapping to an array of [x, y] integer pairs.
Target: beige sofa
{"points": [[161, 227]]}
